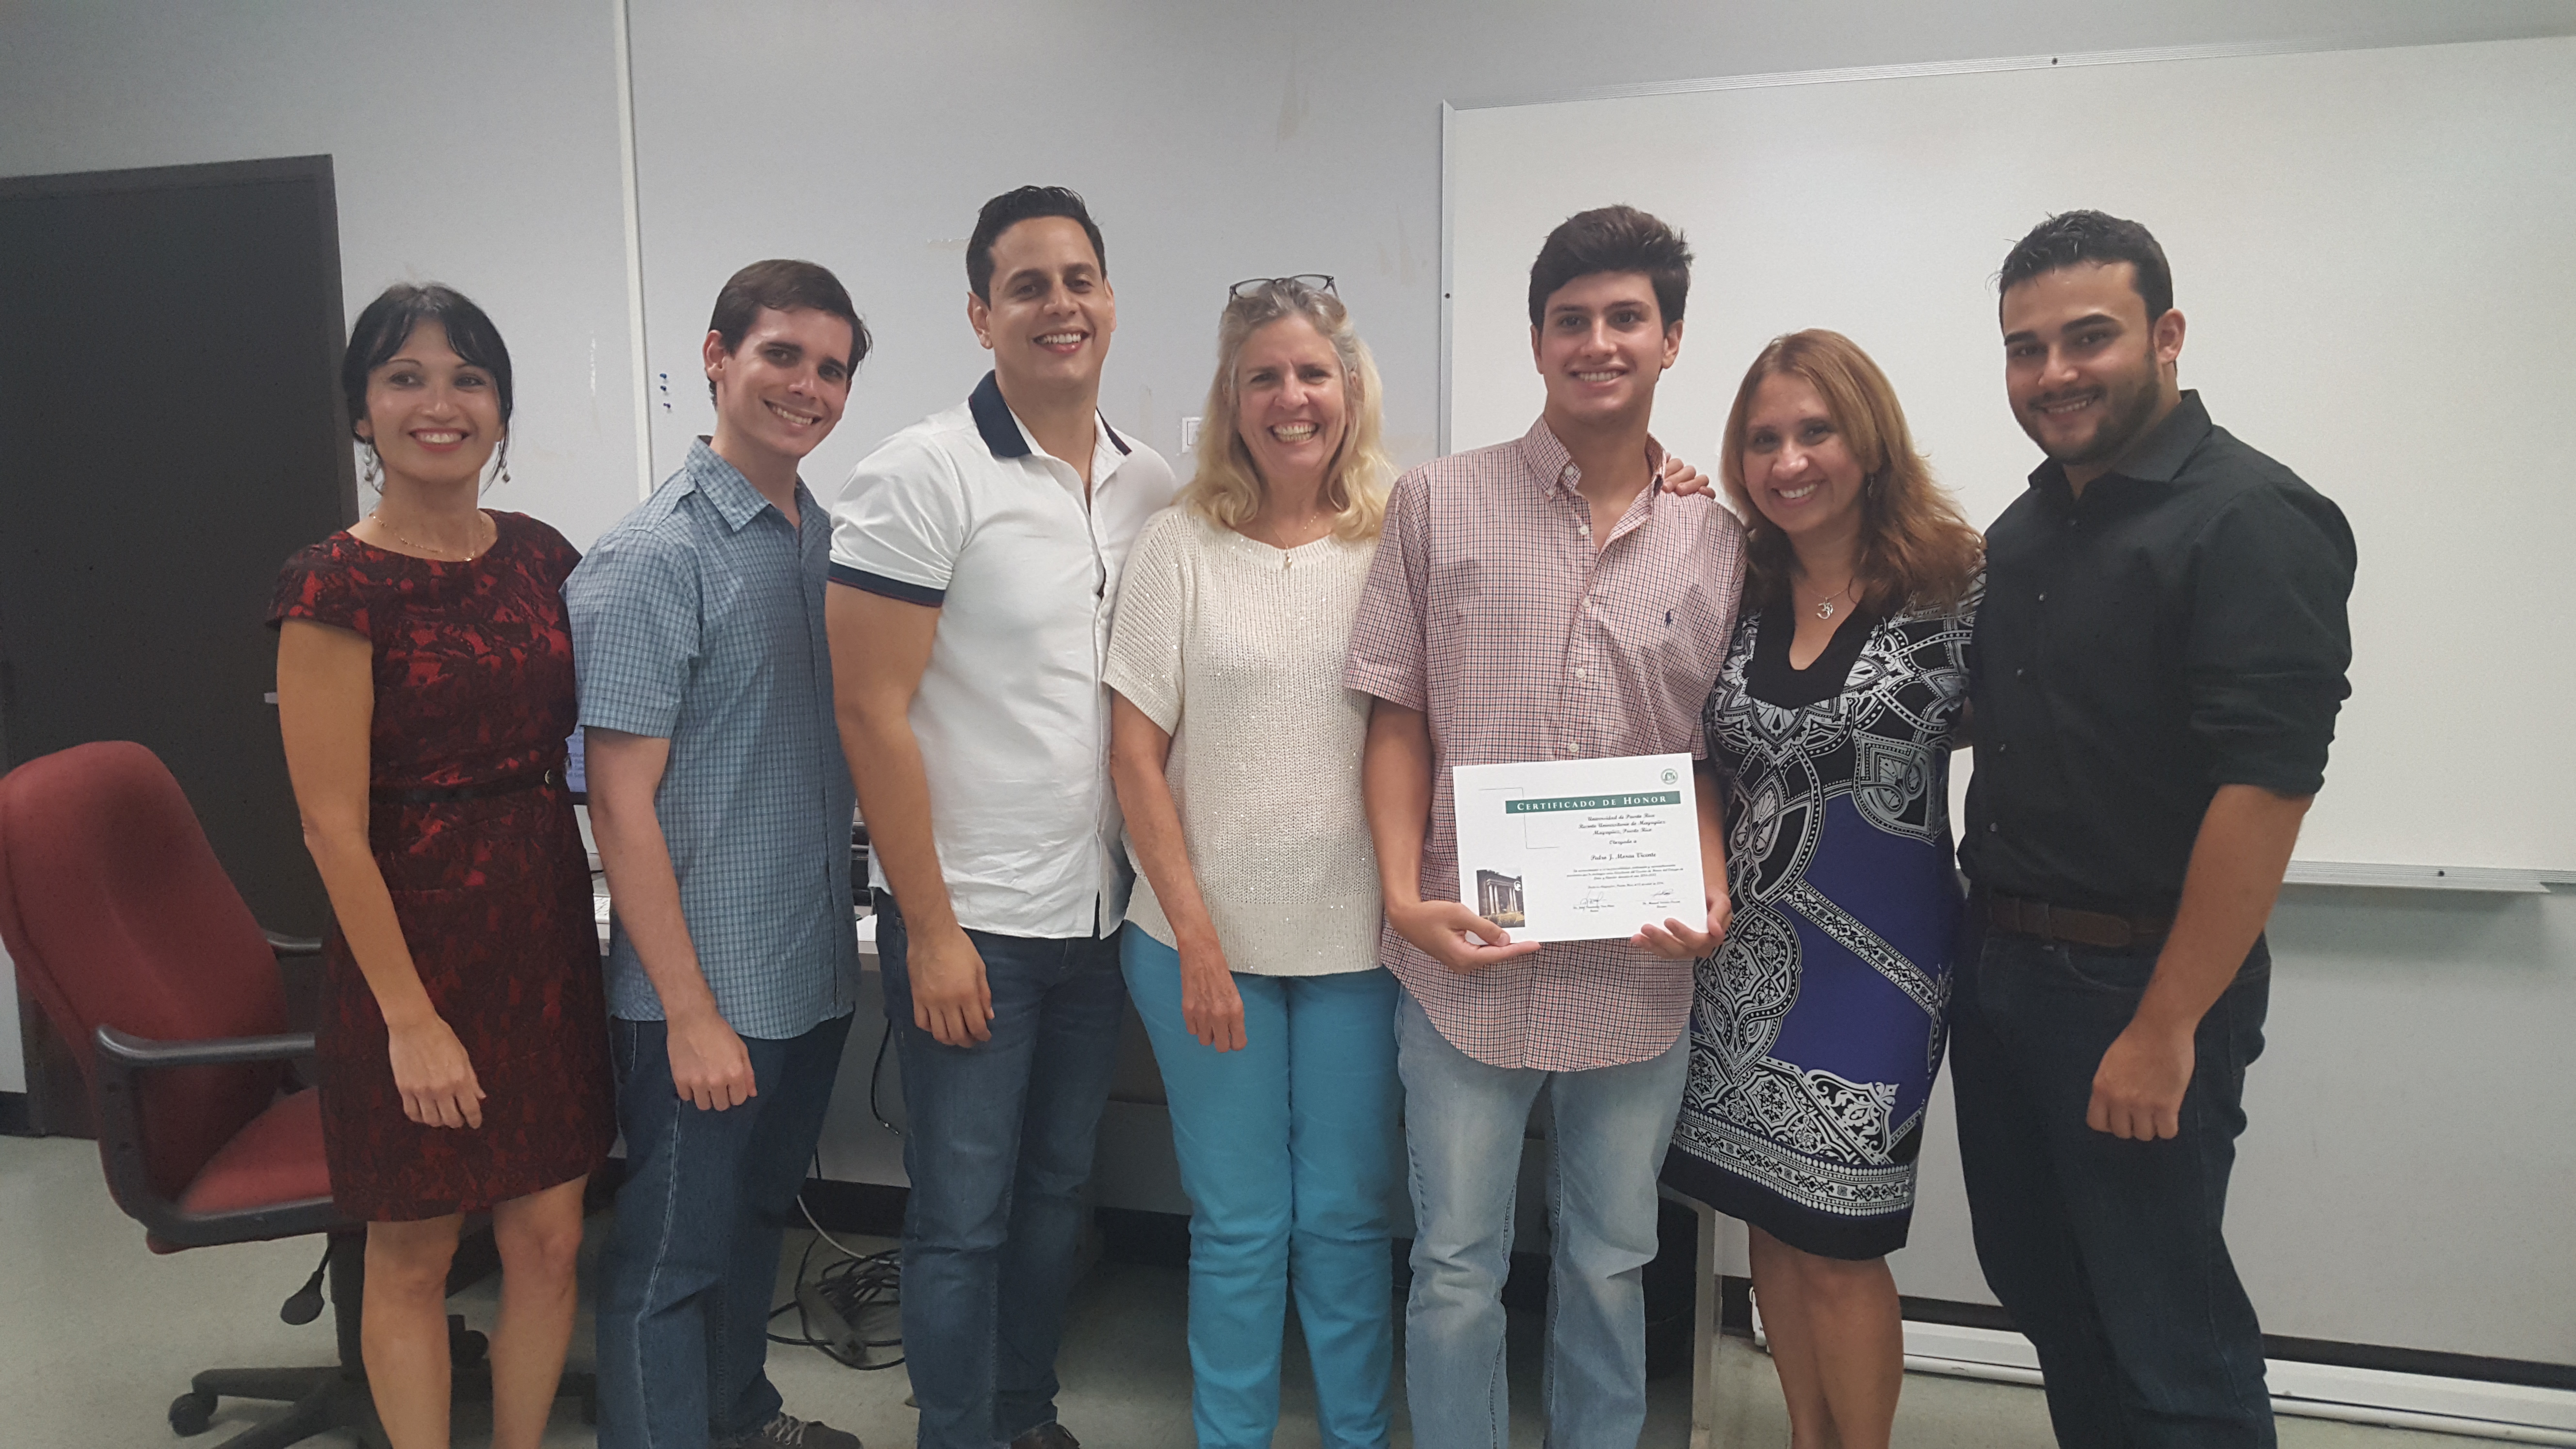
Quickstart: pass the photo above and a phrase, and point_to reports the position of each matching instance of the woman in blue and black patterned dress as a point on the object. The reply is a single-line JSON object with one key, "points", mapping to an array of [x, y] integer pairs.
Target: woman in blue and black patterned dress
{"points": [[1817, 1028]]}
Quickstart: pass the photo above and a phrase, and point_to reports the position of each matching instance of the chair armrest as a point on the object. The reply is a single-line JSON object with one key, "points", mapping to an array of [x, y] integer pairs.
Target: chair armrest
{"points": [[290, 947], [121, 1058], [121, 1054]]}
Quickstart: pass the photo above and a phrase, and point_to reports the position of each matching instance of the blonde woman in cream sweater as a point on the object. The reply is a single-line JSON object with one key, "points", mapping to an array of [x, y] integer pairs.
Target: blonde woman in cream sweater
{"points": [[1252, 948]]}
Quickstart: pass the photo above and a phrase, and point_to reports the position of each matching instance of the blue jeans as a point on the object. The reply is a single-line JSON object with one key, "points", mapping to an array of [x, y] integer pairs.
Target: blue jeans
{"points": [[2108, 1252], [684, 1297], [1464, 1123], [998, 1142], [1287, 1149]]}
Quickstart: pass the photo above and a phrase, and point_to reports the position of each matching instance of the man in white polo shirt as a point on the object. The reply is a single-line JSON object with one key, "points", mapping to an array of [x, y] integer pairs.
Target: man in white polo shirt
{"points": [[978, 553]]}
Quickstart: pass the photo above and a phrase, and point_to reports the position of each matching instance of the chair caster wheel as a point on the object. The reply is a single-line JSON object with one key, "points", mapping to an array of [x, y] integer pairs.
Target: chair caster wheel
{"points": [[465, 1345], [192, 1414]]}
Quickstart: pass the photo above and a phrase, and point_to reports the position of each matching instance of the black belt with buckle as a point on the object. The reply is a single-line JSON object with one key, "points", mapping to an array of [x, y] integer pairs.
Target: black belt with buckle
{"points": [[2111, 931], [442, 794]]}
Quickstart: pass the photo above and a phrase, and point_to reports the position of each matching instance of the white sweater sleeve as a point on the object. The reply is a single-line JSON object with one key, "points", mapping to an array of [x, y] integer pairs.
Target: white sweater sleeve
{"points": [[1153, 614]]}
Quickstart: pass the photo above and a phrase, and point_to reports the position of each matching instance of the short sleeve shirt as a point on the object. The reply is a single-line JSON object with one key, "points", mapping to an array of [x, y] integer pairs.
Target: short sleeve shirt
{"points": [[698, 619], [962, 512], [1235, 649], [445, 639], [1489, 610]]}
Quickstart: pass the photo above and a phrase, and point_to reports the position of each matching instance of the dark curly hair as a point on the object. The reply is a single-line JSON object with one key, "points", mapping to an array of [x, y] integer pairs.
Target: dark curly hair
{"points": [[1612, 239], [2090, 238]]}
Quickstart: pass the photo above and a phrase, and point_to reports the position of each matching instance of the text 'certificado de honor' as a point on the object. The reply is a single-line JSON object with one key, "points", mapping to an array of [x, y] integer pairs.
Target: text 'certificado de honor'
{"points": [[1579, 850]]}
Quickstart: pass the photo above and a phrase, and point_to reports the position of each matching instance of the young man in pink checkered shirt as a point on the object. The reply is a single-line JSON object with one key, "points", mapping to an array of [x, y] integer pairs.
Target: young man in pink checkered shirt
{"points": [[1543, 599]]}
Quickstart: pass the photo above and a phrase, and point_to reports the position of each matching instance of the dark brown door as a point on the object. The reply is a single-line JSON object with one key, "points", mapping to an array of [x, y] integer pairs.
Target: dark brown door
{"points": [[170, 431]]}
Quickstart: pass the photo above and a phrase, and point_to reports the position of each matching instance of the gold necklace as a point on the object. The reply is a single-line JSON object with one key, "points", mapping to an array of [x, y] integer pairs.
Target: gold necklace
{"points": [[378, 515]]}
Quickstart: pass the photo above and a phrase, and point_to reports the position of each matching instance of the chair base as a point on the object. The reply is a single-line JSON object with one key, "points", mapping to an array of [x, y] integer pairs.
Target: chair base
{"points": [[321, 1400], [325, 1399]]}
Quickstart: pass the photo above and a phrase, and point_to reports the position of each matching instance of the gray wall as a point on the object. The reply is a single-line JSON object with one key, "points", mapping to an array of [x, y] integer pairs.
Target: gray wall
{"points": [[1222, 140], [473, 143], [2405, 1180]]}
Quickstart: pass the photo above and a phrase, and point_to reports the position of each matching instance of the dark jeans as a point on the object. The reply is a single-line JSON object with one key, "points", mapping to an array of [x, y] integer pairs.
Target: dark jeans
{"points": [[684, 1297], [2108, 1252], [998, 1144]]}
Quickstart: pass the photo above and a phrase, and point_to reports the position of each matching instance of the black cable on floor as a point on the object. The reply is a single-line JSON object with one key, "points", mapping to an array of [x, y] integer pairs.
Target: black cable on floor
{"points": [[877, 1073], [851, 1286], [858, 1282]]}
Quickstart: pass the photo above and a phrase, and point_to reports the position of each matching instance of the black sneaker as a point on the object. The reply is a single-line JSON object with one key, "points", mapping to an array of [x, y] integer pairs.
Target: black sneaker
{"points": [[789, 1432], [1047, 1436]]}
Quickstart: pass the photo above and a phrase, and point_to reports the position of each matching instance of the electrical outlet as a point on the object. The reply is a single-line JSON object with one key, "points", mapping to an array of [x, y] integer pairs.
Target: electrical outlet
{"points": [[1189, 434]]}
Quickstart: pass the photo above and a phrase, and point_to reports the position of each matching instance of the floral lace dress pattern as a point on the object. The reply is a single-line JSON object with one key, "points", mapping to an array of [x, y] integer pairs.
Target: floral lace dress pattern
{"points": [[474, 692]]}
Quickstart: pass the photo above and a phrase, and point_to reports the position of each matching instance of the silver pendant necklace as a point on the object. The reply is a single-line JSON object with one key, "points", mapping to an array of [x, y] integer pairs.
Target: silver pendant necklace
{"points": [[1825, 605]]}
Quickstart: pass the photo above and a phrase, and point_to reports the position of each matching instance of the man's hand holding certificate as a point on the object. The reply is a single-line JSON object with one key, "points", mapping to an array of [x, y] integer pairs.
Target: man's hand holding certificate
{"points": [[1588, 850]]}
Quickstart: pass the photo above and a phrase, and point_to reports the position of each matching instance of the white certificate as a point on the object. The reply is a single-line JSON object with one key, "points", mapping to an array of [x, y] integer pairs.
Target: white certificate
{"points": [[1580, 850]]}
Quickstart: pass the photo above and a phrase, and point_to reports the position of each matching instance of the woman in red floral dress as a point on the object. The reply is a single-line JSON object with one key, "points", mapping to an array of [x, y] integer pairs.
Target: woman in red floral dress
{"points": [[425, 690]]}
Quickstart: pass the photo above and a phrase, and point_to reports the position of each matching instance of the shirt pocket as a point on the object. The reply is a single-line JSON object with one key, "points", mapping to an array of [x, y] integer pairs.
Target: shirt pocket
{"points": [[1683, 633]]}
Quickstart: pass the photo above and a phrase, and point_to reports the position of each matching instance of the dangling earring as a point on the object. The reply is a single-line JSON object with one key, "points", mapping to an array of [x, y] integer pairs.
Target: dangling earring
{"points": [[369, 471]]}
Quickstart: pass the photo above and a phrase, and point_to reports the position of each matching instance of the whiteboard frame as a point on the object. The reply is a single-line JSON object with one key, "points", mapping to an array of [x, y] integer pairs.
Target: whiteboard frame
{"points": [[2353, 874]]}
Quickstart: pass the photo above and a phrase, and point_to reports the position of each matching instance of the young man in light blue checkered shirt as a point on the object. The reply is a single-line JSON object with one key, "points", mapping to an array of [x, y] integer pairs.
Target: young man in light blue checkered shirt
{"points": [[722, 809]]}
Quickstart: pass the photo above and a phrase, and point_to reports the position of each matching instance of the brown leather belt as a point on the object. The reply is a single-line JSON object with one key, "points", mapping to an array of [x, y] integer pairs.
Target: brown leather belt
{"points": [[2111, 932]]}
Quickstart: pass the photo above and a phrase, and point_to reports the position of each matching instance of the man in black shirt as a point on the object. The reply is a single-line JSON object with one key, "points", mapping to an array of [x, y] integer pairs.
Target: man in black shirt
{"points": [[2159, 659]]}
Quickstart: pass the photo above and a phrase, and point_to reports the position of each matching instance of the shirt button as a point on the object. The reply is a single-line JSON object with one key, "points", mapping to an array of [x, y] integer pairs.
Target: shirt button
{"points": [[2000, 747], [1583, 528], [1580, 673], [2043, 596], [2018, 673], [1990, 827]]}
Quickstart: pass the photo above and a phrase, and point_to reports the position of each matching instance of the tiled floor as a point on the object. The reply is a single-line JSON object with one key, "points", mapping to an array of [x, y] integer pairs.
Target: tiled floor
{"points": [[97, 1335]]}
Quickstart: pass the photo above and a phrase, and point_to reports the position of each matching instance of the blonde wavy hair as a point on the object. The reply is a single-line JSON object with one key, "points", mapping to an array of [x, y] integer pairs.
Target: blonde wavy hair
{"points": [[1226, 489]]}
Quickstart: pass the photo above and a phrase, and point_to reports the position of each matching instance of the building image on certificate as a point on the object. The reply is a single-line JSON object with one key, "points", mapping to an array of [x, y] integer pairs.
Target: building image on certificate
{"points": [[1498, 898]]}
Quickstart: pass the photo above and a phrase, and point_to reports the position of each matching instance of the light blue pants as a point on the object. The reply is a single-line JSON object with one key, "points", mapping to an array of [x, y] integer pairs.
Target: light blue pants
{"points": [[1288, 1152], [1464, 1122]]}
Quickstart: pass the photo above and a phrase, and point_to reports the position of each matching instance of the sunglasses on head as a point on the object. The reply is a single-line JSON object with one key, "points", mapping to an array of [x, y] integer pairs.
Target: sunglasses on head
{"points": [[1303, 281]]}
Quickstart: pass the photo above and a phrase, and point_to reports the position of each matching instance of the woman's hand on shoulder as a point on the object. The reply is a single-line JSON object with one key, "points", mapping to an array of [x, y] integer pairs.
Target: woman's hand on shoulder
{"points": [[1683, 479]]}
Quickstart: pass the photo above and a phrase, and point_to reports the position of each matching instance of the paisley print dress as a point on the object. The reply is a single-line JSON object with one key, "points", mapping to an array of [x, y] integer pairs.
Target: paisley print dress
{"points": [[1818, 1027], [474, 695]]}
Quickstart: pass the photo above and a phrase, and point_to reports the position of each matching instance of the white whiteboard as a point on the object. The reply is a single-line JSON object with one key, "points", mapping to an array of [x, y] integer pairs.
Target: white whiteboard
{"points": [[2375, 251]]}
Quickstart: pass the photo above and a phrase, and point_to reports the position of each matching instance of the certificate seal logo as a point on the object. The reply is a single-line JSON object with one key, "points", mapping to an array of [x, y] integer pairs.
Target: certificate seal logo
{"points": [[1672, 777]]}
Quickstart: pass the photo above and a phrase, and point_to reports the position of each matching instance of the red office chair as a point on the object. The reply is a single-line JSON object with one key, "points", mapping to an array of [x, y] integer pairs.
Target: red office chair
{"points": [[141, 953]]}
